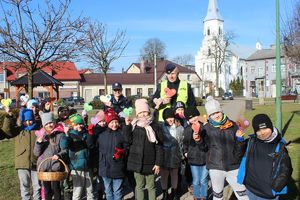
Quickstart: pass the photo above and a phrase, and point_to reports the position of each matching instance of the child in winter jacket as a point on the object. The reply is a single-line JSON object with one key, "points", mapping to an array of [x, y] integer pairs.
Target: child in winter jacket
{"points": [[223, 159], [179, 112], [145, 139], [48, 144], [172, 154], [78, 147], [265, 150], [25, 160], [111, 156], [195, 150]]}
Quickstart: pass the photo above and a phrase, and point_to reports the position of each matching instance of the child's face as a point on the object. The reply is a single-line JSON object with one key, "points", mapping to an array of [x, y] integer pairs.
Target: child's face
{"points": [[78, 127], [143, 114], [170, 121], [102, 123], [217, 116], [49, 127], [180, 111], [264, 133], [113, 124]]}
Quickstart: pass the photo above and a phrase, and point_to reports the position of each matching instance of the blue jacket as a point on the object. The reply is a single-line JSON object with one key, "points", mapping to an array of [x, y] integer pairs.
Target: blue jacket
{"points": [[281, 171]]}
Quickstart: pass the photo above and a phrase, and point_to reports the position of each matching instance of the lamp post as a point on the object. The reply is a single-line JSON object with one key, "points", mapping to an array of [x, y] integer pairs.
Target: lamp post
{"points": [[278, 71]]}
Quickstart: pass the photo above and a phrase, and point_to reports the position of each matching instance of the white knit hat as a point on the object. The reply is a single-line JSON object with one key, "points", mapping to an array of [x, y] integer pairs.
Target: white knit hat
{"points": [[212, 106]]}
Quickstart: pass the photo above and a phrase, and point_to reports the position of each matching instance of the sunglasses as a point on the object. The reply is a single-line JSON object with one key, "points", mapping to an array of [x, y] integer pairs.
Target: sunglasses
{"points": [[117, 90]]}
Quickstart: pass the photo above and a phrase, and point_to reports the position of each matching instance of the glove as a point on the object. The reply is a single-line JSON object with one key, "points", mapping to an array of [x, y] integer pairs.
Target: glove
{"points": [[91, 129], [119, 153]]}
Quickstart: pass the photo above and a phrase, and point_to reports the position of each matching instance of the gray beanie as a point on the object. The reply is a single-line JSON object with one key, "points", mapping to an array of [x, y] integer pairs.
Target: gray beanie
{"points": [[47, 117], [212, 106]]}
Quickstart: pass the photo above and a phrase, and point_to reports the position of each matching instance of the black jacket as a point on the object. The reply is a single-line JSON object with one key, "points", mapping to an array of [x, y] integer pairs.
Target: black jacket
{"points": [[119, 105], [107, 142], [223, 148], [143, 155], [196, 151]]}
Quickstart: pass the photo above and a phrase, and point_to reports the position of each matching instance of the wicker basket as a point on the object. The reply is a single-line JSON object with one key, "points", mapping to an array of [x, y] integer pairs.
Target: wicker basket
{"points": [[52, 176]]}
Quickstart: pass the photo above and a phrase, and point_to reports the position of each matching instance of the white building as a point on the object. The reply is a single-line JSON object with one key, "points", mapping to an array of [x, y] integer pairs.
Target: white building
{"points": [[204, 63]]}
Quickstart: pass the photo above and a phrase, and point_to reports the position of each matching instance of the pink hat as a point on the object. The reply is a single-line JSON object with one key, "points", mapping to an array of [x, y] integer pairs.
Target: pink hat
{"points": [[98, 117], [141, 105]]}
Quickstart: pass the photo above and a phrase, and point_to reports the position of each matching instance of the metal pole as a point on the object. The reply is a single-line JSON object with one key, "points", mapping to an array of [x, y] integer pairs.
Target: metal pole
{"points": [[155, 78], [278, 71]]}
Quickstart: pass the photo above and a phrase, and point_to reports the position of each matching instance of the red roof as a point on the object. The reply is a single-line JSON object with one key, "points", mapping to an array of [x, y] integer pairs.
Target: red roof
{"points": [[63, 71]]}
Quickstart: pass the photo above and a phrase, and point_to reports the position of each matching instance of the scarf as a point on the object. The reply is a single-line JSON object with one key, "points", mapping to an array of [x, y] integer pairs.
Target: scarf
{"points": [[225, 123], [145, 123], [272, 136]]}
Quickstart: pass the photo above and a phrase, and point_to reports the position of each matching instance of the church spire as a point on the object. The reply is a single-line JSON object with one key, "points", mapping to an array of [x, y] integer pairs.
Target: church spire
{"points": [[213, 11]]}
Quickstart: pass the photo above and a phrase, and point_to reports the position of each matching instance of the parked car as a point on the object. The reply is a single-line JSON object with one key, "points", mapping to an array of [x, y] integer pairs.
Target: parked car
{"points": [[78, 100], [69, 101], [227, 96]]}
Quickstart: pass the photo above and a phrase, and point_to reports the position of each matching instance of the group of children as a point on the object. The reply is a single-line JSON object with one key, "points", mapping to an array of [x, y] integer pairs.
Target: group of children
{"points": [[258, 167]]}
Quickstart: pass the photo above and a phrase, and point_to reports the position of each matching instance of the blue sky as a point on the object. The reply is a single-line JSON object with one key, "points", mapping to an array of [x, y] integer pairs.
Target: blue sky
{"points": [[179, 23]]}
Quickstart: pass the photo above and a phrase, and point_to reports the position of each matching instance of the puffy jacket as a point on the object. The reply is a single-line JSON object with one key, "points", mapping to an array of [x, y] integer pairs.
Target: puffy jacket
{"points": [[143, 155], [171, 147], [280, 173], [77, 145], [223, 148], [107, 142], [49, 147], [196, 151]]}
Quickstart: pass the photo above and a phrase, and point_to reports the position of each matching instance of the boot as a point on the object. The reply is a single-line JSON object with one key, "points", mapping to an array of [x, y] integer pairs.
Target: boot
{"points": [[165, 195], [173, 194], [176, 195]]}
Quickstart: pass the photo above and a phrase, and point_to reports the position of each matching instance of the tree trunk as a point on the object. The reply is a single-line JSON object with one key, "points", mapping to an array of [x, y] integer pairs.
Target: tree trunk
{"points": [[105, 82], [217, 82], [30, 83]]}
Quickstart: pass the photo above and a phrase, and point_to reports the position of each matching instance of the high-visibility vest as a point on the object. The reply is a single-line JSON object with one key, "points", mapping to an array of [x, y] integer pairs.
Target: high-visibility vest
{"points": [[182, 95]]}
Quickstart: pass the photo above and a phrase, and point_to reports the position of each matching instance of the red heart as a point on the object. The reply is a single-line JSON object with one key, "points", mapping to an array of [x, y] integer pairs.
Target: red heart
{"points": [[169, 92]]}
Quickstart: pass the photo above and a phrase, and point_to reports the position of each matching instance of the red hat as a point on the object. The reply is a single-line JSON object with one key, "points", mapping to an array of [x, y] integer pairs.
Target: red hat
{"points": [[110, 115]]}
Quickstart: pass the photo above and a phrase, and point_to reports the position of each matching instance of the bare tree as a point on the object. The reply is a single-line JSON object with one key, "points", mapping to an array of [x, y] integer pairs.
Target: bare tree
{"points": [[36, 36], [102, 50], [219, 52], [291, 36], [185, 59], [153, 46]]}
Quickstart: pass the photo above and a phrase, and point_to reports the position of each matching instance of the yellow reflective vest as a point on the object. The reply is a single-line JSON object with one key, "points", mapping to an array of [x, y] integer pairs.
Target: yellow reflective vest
{"points": [[182, 95]]}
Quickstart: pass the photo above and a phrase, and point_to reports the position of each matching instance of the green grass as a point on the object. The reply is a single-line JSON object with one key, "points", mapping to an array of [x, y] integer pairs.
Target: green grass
{"points": [[9, 184]]}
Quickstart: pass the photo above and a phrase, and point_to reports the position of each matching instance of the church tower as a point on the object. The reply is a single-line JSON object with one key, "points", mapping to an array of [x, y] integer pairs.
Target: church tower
{"points": [[204, 63]]}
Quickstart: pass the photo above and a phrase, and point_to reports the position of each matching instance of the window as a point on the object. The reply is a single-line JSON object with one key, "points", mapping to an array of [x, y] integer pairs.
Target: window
{"points": [[1, 78], [209, 52], [43, 95], [252, 69], [220, 31], [150, 92], [283, 68], [207, 68], [128, 92], [260, 71], [139, 91], [189, 78], [273, 68], [101, 91], [208, 31]]}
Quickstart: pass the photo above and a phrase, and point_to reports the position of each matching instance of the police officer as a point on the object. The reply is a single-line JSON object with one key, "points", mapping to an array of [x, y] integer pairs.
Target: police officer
{"points": [[183, 93]]}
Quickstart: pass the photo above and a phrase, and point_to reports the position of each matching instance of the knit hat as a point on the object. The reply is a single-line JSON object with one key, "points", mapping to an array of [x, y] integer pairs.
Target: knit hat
{"points": [[141, 105], [26, 115], [110, 115], [191, 112], [32, 102], [76, 119], [168, 113], [47, 118], [98, 117], [179, 104], [212, 106], [260, 121]]}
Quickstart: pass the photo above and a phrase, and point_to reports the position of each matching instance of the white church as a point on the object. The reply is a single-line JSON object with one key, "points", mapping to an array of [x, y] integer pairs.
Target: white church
{"points": [[204, 62]]}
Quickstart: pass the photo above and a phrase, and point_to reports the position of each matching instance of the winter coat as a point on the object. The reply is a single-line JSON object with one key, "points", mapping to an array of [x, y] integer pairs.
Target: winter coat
{"points": [[78, 149], [268, 183], [171, 147], [143, 155], [119, 105], [50, 146], [222, 148], [107, 142], [196, 151], [24, 143]]}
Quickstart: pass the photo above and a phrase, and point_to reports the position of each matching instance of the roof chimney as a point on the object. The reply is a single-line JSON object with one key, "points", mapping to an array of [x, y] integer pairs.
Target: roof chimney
{"points": [[142, 67]]}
